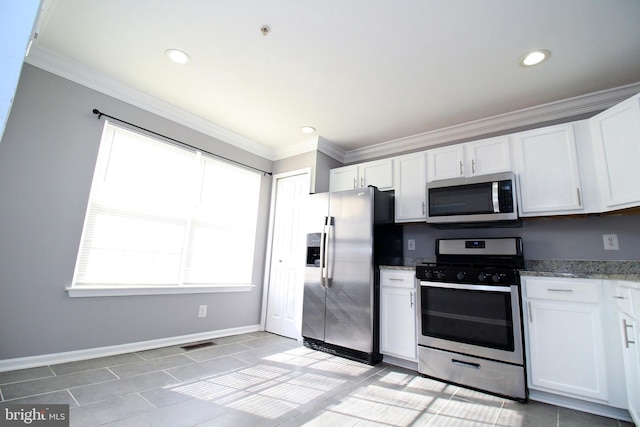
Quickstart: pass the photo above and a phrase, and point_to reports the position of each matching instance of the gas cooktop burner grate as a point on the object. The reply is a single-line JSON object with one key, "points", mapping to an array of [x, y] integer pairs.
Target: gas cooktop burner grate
{"points": [[485, 261]]}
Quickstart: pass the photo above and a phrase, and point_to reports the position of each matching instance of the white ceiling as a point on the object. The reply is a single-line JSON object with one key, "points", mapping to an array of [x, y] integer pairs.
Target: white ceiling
{"points": [[362, 72]]}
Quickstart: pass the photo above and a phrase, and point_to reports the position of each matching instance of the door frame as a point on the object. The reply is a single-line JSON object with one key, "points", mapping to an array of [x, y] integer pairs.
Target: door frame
{"points": [[269, 252]]}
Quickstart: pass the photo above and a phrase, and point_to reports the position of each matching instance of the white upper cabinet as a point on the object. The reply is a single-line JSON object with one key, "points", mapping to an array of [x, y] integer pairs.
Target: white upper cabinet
{"points": [[488, 156], [378, 173], [410, 179], [345, 178], [616, 138], [445, 162], [548, 171], [482, 157]]}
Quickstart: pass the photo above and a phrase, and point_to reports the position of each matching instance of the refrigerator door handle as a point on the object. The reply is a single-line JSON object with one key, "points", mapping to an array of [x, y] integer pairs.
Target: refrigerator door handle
{"points": [[323, 252], [327, 253]]}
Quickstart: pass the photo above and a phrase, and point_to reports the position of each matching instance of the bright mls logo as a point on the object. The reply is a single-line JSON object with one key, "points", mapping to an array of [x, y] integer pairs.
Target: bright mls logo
{"points": [[34, 415]]}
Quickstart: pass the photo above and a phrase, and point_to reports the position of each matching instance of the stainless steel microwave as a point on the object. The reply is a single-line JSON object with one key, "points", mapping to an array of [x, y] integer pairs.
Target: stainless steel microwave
{"points": [[478, 199]]}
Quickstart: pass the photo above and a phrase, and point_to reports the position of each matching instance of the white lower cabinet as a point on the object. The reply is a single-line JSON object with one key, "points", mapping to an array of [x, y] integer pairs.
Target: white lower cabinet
{"points": [[629, 322], [398, 314], [564, 337]]}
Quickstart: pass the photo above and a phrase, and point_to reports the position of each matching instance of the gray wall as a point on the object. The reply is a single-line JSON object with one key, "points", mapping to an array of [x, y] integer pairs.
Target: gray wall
{"points": [[324, 164], [572, 238], [319, 163], [47, 156]]}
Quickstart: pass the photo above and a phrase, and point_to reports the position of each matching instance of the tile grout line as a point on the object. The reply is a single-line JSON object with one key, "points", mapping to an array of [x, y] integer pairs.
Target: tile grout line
{"points": [[113, 373], [435, 415], [1, 396], [147, 400], [172, 376], [495, 422], [73, 397]]}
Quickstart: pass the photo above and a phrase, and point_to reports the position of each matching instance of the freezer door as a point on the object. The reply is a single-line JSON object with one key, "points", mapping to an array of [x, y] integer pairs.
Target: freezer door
{"points": [[350, 289], [313, 305], [313, 302]]}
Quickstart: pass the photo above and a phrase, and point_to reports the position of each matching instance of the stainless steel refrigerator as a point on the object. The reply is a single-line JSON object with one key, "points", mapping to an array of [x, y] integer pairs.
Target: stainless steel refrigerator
{"points": [[353, 233]]}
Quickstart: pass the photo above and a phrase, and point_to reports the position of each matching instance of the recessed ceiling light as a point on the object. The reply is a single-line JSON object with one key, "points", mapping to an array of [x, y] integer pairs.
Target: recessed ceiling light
{"points": [[534, 58], [177, 56], [308, 129]]}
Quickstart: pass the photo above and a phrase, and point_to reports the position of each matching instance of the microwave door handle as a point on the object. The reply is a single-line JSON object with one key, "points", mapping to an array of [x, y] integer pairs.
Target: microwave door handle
{"points": [[495, 197]]}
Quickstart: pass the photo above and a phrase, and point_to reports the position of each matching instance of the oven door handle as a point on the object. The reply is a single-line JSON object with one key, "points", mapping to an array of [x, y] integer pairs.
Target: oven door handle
{"points": [[504, 289]]}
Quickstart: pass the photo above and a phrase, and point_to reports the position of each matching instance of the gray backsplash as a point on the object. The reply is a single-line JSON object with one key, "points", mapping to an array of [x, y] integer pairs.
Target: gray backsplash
{"points": [[576, 238]]}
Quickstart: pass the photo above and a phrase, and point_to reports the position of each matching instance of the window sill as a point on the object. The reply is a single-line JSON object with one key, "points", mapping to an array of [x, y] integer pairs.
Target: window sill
{"points": [[118, 291]]}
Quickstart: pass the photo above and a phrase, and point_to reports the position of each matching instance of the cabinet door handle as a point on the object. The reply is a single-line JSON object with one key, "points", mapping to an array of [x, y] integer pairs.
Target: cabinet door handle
{"points": [[530, 313], [362, 182], [625, 327], [395, 279], [355, 183], [617, 297], [460, 167], [559, 290], [473, 166], [579, 198], [423, 209], [411, 298]]}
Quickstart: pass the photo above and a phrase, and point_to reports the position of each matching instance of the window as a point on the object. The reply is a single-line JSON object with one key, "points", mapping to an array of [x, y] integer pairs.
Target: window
{"points": [[163, 219]]}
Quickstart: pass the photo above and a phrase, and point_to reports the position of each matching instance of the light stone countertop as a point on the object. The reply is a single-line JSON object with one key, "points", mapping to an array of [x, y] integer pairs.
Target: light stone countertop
{"points": [[605, 270], [398, 267]]}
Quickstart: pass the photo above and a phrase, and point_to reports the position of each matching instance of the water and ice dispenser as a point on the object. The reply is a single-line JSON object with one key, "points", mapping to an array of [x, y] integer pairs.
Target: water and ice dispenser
{"points": [[313, 249]]}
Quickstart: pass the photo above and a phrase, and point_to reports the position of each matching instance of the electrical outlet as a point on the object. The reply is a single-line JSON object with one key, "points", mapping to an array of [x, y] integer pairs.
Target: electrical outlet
{"points": [[411, 244], [202, 311], [611, 242]]}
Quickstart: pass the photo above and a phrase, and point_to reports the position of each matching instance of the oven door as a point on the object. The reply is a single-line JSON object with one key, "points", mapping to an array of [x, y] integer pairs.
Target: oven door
{"points": [[478, 320]]}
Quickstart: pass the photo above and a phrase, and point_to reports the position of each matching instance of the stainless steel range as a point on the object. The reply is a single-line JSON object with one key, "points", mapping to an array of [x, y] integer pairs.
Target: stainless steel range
{"points": [[469, 315]]}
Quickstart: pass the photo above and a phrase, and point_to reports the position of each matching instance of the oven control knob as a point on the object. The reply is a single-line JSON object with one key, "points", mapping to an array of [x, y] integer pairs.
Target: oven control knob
{"points": [[428, 274], [440, 275], [495, 278], [460, 276], [481, 277]]}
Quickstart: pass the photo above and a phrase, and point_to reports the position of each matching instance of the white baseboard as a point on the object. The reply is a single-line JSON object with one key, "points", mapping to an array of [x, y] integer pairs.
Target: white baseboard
{"points": [[580, 405], [403, 363], [92, 353]]}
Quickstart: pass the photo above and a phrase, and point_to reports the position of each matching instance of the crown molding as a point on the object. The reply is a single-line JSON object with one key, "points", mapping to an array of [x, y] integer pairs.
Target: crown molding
{"points": [[318, 143], [331, 150], [564, 109], [66, 68], [280, 153]]}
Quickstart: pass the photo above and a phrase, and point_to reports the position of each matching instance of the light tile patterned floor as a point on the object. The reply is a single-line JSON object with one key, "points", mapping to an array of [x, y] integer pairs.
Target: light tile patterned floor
{"points": [[260, 379]]}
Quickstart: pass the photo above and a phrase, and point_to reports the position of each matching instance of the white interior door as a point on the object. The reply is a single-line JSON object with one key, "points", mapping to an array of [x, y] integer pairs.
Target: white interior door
{"points": [[288, 242]]}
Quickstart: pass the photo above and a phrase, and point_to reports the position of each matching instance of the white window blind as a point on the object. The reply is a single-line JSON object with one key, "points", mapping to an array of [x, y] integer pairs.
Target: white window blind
{"points": [[164, 216]]}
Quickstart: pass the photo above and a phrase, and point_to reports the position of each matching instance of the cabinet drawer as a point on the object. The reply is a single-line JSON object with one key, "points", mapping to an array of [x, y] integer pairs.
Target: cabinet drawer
{"points": [[398, 278], [572, 290]]}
